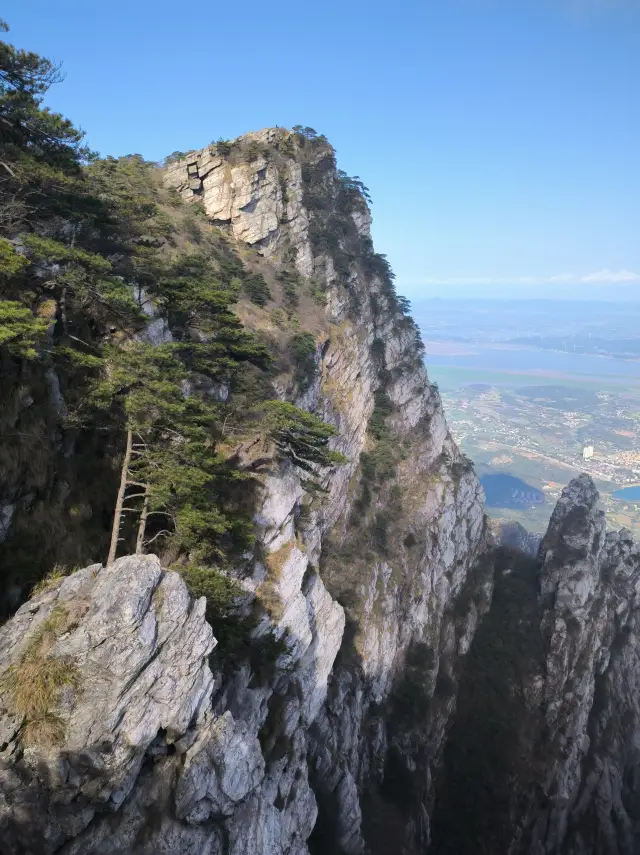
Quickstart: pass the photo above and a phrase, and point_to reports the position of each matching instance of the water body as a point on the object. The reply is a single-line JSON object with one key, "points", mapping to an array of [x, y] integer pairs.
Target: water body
{"points": [[631, 494], [542, 361], [507, 491]]}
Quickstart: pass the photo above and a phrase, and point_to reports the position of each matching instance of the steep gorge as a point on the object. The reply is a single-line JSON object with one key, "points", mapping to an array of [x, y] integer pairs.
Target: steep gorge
{"points": [[403, 709]]}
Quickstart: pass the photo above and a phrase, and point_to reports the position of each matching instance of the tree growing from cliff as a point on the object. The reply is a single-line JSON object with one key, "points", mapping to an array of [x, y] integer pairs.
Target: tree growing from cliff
{"points": [[20, 331], [87, 246], [172, 467], [170, 460]]}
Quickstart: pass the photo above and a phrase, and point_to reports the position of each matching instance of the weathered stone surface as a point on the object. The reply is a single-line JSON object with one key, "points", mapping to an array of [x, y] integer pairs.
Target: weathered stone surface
{"points": [[220, 769], [573, 784], [589, 584], [249, 199], [140, 647], [244, 763], [327, 621], [512, 534]]}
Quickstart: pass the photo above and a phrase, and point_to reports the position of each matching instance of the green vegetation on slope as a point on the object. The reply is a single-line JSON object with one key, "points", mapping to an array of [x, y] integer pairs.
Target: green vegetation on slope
{"points": [[122, 359]]}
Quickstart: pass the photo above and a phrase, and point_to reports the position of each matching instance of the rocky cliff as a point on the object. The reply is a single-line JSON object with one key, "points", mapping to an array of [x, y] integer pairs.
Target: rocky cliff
{"points": [[117, 735], [393, 679], [547, 720], [380, 564], [374, 579]]}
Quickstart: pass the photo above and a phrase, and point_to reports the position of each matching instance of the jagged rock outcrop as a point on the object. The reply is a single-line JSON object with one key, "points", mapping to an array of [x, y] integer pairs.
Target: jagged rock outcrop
{"points": [[254, 196], [137, 688], [555, 762], [589, 585], [511, 533]]}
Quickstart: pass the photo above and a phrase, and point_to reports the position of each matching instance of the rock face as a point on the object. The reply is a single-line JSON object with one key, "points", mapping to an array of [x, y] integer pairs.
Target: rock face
{"points": [[285, 198], [589, 586], [154, 752], [378, 581], [388, 562], [140, 691], [568, 713], [254, 196]]}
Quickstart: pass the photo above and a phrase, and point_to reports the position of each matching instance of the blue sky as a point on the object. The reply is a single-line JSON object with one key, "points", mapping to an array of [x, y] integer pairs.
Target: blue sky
{"points": [[500, 139]]}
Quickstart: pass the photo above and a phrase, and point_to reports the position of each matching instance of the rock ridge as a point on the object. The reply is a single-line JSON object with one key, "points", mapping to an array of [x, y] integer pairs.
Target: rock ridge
{"points": [[558, 656], [391, 557]]}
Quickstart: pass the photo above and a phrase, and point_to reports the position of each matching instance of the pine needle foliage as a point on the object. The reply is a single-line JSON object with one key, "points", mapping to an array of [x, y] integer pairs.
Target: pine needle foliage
{"points": [[93, 253]]}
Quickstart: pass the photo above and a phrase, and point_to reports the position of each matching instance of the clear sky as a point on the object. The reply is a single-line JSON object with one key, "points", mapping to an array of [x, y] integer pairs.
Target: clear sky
{"points": [[500, 139]]}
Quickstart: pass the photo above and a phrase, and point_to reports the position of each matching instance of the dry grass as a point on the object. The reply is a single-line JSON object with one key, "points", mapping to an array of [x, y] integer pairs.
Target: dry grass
{"points": [[34, 684], [50, 580], [158, 599], [276, 560], [267, 592], [270, 600]]}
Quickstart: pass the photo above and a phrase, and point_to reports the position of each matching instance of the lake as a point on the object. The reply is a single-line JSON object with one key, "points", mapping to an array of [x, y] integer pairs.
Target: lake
{"points": [[507, 491], [631, 494], [538, 361]]}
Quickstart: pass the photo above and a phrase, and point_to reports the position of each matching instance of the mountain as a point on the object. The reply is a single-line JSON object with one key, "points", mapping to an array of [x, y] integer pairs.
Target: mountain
{"points": [[542, 755], [312, 642], [367, 573]]}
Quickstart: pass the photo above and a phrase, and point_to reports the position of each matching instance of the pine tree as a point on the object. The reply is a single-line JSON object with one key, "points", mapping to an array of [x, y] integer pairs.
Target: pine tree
{"points": [[48, 214]]}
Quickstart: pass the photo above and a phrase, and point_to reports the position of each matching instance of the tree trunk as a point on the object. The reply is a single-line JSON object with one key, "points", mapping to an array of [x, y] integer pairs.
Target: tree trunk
{"points": [[63, 310], [142, 525], [117, 516]]}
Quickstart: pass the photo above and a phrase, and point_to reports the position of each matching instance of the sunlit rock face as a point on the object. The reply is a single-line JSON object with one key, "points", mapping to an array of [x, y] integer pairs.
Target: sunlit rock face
{"points": [[159, 753], [379, 586]]}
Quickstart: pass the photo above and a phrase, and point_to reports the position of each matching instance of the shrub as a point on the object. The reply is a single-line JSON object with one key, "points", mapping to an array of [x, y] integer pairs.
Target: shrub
{"points": [[379, 464], [233, 628], [380, 531], [290, 288], [303, 515], [382, 409], [377, 349], [253, 150], [317, 289], [173, 157], [257, 289], [278, 317], [223, 147], [302, 348]]}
